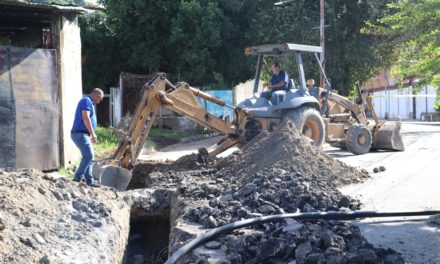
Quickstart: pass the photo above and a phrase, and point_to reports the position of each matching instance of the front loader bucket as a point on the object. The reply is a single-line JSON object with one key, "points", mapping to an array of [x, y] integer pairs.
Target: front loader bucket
{"points": [[388, 137], [115, 177]]}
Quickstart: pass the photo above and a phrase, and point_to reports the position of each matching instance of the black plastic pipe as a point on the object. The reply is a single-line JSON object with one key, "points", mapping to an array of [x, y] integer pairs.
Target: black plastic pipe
{"points": [[216, 232]]}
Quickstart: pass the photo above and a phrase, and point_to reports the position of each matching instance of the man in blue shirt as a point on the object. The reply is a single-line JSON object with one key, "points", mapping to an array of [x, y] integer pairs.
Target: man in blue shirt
{"points": [[83, 135], [278, 85]]}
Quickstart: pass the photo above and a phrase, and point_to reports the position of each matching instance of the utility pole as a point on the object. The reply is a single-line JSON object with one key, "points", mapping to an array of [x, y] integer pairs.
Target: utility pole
{"points": [[321, 39]]}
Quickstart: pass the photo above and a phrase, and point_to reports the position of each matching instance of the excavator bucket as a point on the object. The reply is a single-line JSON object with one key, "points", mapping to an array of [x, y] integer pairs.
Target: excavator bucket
{"points": [[115, 177], [388, 137]]}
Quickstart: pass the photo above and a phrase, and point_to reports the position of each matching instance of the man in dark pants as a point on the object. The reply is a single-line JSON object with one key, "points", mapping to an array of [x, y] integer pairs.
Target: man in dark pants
{"points": [[278, 85], [83, 135]]}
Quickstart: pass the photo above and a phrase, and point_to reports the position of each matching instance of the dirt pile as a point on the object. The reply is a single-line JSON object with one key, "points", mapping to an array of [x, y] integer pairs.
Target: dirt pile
{"points": [[47, 220], [275, 173]]}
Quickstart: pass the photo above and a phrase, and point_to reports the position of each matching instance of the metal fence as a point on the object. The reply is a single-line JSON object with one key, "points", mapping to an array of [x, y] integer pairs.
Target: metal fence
{"points": [[217, 110]]}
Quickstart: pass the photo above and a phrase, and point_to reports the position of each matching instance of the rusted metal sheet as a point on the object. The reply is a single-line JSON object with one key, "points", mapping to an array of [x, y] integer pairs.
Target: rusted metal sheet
{"points": [[30, 115]]}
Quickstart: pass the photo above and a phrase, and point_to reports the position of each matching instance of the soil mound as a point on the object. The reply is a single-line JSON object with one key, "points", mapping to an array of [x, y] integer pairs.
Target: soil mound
{"points": [[286, 149], [274, 173], [47, 220]]}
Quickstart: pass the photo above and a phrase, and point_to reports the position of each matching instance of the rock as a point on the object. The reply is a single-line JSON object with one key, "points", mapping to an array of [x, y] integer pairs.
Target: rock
{"points": [[382, 168], [26, 222], [40, 190], [302, 251], [344, 202], [247, 189], [66, 196], [100, 209], [314, 258], [226, 198], [80, 205], [2, 225], [79, 218], [266, 209], [235, 258], [44, 260], [242, 212], [235, 245], [39, 239], [61, 183], [97, 224], [333, 242], [292, 225], [213, 190], [27, 242], [303, 200], [272, 248], [58, 195], [210, 222], [375, 170], [213, 245]]}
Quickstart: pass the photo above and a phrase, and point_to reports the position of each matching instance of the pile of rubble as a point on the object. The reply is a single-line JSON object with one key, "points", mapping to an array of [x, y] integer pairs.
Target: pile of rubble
{"points": [[275, 173], [48, 220]]}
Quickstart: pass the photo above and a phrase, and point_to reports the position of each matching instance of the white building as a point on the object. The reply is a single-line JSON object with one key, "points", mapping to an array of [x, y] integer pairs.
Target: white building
{"points": [[395, 101]]}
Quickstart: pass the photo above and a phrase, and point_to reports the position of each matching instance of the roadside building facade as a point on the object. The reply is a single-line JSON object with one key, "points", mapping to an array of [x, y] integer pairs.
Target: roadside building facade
{"points": [[40, 83]]}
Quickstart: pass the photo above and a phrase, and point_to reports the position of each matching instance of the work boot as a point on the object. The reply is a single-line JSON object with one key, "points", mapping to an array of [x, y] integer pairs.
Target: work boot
{"points": [[95, 185]]}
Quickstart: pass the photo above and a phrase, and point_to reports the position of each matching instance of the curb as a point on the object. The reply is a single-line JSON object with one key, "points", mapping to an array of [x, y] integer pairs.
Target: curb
{"points": [[198, 137]]}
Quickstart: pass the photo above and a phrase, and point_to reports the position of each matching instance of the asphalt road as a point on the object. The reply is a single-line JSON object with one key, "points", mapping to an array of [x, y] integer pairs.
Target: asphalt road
{"points": [[411, 182]]}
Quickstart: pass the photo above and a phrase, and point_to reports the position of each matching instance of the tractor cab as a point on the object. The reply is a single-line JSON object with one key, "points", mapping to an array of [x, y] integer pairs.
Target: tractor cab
{"points": [[296, 96]]}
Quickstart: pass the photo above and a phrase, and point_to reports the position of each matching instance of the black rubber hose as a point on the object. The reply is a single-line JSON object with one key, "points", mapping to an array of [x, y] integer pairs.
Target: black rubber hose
{"points": [[216, 232]]}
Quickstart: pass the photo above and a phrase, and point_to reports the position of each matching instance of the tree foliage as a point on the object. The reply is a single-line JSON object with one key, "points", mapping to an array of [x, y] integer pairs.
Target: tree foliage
{"points": [[101, 56], [203, 40], [413, 28]]}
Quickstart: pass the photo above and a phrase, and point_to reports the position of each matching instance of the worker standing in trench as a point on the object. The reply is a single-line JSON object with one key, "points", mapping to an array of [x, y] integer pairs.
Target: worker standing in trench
{"points": [[84, 136]]}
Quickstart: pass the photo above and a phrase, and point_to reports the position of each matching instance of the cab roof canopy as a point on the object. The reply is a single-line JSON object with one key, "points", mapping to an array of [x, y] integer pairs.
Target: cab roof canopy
{"points": [[281, 49]]}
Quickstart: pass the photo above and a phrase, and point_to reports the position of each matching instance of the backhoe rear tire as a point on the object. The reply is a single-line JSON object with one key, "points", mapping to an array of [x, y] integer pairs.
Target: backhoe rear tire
{"points": [[309, 122], [359, 139]]}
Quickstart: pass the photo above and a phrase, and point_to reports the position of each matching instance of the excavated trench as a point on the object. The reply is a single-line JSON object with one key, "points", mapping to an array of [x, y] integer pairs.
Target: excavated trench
{"points": [[149, 235], [148, 240]]}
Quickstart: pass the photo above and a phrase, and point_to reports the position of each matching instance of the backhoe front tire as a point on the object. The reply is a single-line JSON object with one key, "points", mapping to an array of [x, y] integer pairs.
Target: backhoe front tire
{"points": [[309, 122], [359, 139]]}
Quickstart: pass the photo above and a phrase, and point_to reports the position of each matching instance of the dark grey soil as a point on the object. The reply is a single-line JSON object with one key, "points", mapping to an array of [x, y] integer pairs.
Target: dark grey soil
{"points": [[275, 173]]}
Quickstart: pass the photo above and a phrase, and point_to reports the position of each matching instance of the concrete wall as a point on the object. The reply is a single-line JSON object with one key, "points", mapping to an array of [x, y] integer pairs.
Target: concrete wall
{"points": [[115, 106], [245, 90], [68, 46], [399, 103]]}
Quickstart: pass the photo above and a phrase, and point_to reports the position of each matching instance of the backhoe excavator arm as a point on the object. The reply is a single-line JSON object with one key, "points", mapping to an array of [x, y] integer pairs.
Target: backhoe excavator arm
{"points": [[356, 109], [181, 99]]}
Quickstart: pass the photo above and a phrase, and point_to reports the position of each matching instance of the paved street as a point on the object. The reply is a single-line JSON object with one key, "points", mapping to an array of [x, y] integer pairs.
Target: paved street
{"points": [[411, 182]]}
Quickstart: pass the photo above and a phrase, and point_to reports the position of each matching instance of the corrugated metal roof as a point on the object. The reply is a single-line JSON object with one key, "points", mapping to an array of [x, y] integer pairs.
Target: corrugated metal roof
{"points": [[384, 81], [38, 8]]}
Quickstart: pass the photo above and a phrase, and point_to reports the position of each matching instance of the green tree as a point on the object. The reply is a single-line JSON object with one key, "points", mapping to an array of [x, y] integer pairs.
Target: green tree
{"points": [[413, 28], [142, 29], [198, 32], [100, 52], [351, 55], [204, 40]]}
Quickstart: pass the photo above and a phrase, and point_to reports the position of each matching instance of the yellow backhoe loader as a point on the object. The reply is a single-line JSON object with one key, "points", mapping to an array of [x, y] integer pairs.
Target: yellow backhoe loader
{"points": [[251, 117]]}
